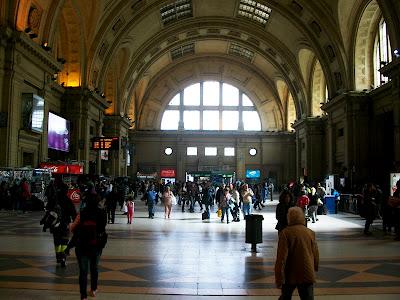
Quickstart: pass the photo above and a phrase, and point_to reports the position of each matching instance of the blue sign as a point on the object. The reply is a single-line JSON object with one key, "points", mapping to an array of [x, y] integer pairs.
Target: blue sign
{"points": [[253, 174]]}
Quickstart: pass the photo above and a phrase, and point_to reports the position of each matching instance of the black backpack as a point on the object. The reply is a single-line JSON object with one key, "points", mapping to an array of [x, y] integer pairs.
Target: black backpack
{"points": [[89, 236]]}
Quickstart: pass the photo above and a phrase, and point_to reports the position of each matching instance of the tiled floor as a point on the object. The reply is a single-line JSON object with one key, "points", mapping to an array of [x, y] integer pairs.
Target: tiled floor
{"points": [[186, 258]]}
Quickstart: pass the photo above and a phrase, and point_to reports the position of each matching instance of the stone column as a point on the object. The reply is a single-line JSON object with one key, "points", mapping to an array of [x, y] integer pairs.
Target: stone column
{"points": [[117, 126], [392, 70], [310, 131]]}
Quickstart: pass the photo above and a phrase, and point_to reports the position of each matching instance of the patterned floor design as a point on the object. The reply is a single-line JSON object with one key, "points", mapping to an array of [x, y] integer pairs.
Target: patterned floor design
{"points": [[202, 263], [147, 276]]}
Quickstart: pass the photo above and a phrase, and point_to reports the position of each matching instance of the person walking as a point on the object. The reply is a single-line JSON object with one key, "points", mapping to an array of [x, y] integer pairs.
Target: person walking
{"points": [[66, 214], [369, 208], [297, 258], [247, 196], [285, 202], [90, 238], [224, 205], [151, 198], [313, 205], [130, 206], [167, 199], [111, 205]]}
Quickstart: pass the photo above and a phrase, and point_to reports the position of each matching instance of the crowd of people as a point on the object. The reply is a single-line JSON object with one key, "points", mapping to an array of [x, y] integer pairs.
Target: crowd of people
{"points": [[84, 227], [14, 195]]}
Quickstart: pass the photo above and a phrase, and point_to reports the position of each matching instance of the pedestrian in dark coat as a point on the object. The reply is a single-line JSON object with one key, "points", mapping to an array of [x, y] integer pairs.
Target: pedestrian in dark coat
{"points": [[297, 258]]}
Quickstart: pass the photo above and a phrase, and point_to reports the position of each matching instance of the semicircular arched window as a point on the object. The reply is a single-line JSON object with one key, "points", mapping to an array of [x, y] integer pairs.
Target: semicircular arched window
{"points": [[211, 105]]}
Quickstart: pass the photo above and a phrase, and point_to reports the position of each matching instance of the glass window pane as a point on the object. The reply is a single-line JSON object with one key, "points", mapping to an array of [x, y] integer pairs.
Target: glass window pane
{"points": [[191, 151], [211, 120], [229, 151], [230, 120], [211, 93], [170, 120], [191, 95], [251, 121], [210, 151], [246, 101], [191, 119], [230, 95], [176, 100]]}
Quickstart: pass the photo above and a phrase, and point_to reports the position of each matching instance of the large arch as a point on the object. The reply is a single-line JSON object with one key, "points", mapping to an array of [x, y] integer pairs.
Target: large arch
{"points": [[166, 85], [331, 56], [364, 44]]}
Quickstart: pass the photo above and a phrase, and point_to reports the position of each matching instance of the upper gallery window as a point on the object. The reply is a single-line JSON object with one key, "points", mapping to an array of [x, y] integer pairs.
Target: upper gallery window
{"points": [[254, 11], [383, 53], [211, 105], [243, 52], [182, 51], [180, 9]]}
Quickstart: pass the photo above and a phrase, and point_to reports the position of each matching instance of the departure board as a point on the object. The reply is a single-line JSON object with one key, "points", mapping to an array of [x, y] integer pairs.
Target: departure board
{"points": [[105, 143]]}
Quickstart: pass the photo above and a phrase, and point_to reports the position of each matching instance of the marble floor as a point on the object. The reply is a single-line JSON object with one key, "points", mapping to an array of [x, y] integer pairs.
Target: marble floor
{"points": [[187, 258]]}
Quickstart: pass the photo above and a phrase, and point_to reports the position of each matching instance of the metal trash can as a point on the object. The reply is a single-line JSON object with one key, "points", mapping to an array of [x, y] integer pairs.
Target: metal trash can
{"points": [[254, 230]]}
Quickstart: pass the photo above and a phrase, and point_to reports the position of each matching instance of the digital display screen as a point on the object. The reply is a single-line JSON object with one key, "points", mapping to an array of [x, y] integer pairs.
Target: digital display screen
{"points": [[58, 133], [253, 173], [105, 143]]}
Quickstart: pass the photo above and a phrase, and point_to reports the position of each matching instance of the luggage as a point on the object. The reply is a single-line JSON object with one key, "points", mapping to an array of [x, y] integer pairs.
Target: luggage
{"points": [[205, 215]]}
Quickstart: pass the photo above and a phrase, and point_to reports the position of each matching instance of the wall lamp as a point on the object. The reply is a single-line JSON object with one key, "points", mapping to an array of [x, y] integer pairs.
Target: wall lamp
{"points": [[103, 95], [46, 47], [396, 53]]}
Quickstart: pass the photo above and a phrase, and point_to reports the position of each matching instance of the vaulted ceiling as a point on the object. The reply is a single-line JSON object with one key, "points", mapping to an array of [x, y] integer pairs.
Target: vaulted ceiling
{"points": [[126, 50]]}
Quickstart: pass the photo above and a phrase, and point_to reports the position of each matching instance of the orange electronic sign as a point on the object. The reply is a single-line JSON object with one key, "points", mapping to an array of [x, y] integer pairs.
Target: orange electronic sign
{"points": [[105, 143]]}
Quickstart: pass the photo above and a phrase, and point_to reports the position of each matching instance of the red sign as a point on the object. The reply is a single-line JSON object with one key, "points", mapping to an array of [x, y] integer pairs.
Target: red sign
{"points": [[74, 195], [54, 168], [75, 169], [62, 168], [168, 173]]}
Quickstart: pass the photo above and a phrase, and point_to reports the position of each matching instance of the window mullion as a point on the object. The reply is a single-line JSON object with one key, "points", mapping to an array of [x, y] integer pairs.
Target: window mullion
{"points": [[181, 125], [220, 106], [240, 108], [201, 105]]}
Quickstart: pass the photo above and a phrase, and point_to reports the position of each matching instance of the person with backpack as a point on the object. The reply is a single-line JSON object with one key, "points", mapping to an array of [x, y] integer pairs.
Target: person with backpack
{"points": [[89, 238]]}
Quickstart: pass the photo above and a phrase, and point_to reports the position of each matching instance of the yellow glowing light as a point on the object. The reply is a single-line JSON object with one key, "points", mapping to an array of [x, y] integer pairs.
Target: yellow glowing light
{"points": [[70, 79]]}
